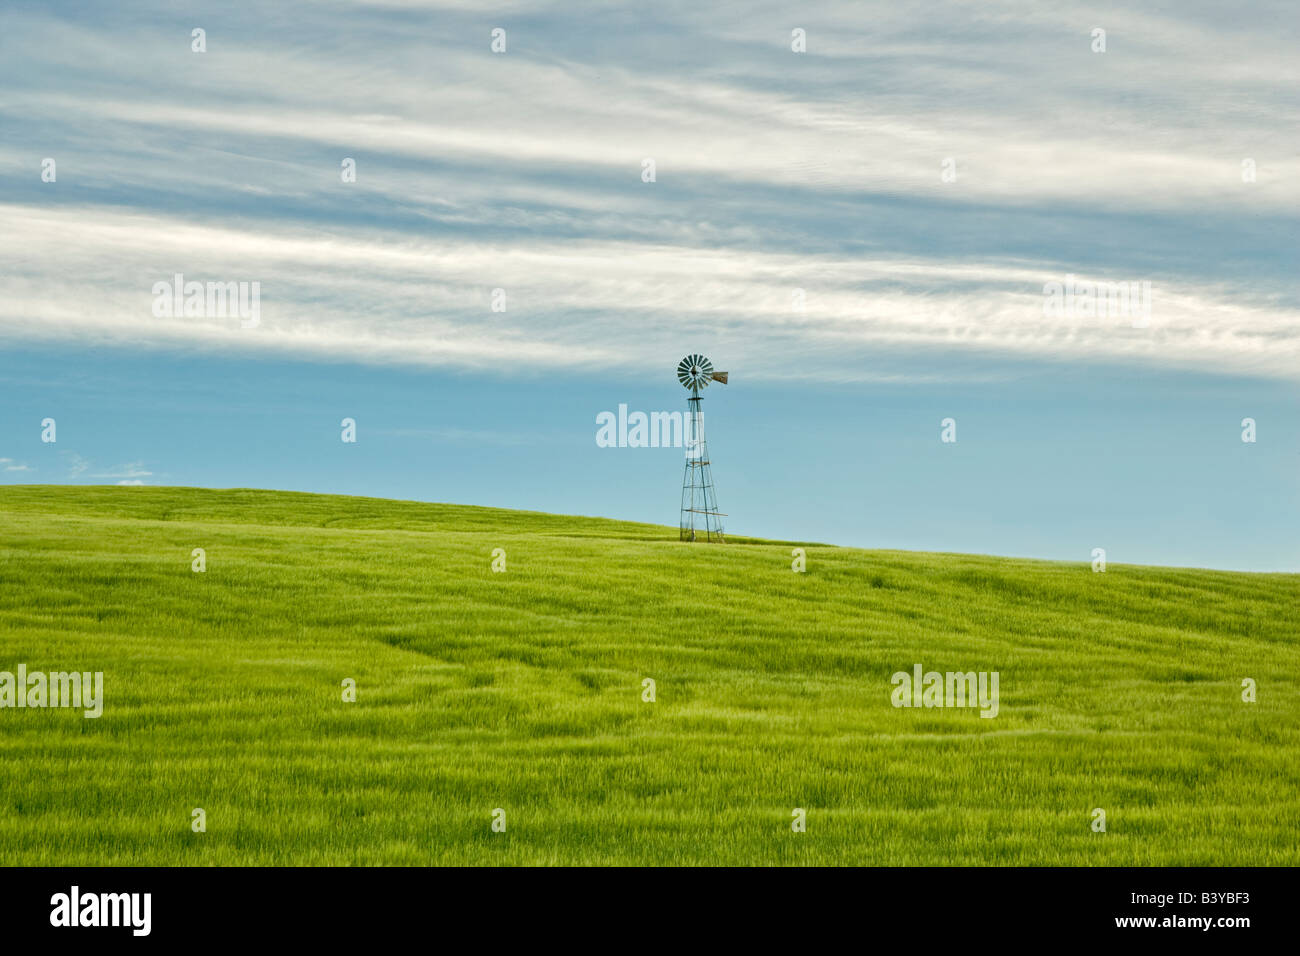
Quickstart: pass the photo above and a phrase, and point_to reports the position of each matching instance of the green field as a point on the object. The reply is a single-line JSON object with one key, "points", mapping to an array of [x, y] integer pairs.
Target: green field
{"points": [[522, 691]]}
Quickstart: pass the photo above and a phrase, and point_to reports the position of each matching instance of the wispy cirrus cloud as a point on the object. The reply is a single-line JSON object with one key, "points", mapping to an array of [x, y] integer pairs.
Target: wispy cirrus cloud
{"points": [[80, 467], [77, 466], [374, 298], [133, 471], [775, 171]]}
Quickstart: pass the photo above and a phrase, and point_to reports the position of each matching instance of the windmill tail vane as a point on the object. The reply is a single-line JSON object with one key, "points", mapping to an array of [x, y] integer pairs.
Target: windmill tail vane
{"points": [[701, 519]]}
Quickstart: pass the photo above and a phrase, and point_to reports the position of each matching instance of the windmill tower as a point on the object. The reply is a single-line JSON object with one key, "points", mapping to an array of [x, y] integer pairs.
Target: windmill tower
{"points": [[700, 515]]}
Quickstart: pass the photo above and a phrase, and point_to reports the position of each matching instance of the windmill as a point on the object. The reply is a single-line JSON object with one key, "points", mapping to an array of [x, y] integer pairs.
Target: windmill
{"points": [[700, 514]]}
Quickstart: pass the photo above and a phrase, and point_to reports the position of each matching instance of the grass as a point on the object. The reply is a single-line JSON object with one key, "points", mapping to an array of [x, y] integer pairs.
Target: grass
{"points": [[523, 691]]}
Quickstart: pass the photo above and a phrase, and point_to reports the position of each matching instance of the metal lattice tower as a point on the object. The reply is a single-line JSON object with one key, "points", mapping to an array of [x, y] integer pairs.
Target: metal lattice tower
{"points": [[700, 515]]}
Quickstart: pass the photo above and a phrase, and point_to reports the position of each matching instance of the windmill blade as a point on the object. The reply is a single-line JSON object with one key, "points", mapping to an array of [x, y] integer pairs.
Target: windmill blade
{"points": [[720, 377]]}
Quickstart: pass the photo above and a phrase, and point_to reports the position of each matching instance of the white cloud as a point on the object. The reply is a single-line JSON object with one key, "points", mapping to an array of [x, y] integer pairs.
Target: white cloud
{"points": [[77, 465], [776, 171], [128, 473], [373, 298], [133, 470]]}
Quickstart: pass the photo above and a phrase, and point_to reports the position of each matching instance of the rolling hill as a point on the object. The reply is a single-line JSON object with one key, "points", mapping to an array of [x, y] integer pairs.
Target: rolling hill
{"points": [[522, 691]]}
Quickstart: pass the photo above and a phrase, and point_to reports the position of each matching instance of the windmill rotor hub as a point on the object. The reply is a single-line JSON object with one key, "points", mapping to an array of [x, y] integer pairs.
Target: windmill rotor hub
{"points": [[695, 372]]}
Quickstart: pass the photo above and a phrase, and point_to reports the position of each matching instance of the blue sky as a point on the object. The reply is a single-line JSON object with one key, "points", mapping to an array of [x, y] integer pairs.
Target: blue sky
{"points": [[775, 171]]}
